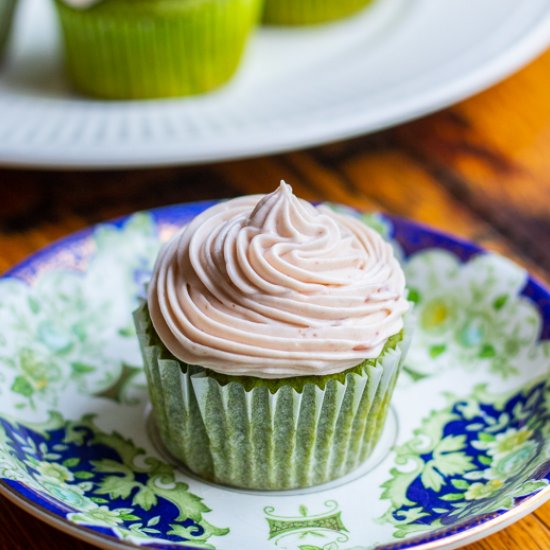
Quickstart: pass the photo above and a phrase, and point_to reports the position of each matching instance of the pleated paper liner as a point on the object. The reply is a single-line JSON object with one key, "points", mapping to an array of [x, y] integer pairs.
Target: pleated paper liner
{"points": [[250, 433], [309, 12], [138, 49]]}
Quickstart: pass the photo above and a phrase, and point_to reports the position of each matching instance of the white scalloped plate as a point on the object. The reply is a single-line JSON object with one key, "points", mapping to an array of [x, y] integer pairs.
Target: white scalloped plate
{"points": [[396, 61]]}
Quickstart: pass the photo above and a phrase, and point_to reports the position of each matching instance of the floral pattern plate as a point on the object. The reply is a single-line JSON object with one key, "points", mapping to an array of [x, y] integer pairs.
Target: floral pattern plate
{"points": [[465, 452]]}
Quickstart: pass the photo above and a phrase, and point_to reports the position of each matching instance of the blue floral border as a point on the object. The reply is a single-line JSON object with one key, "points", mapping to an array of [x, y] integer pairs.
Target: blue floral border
{"points": [[412, 238]]}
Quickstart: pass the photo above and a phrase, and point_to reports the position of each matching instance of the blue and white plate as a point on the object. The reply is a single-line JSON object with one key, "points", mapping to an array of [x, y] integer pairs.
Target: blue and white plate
{"points": [[466, 450]]}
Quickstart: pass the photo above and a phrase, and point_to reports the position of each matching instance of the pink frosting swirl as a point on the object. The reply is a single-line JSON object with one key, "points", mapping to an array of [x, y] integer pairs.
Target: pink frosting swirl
{"points": [[273, 287]]}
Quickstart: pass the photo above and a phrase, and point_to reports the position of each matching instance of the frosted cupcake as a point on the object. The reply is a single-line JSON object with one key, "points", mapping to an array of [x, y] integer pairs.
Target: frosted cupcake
{"points": [[272, 338], [124, 49], [308, 12]]}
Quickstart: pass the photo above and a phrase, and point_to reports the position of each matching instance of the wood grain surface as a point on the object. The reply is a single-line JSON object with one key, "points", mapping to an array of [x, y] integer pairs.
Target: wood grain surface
{"points": [[480, 170]]}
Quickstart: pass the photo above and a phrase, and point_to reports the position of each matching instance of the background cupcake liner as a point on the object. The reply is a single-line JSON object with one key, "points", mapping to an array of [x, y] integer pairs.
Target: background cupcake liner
{"points": [[7, 8], [124, 49], [264, 439], [304, 12]]}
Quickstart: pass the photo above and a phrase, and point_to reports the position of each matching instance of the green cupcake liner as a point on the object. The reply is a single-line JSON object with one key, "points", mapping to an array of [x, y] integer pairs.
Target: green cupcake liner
{"points": [[139, 49], [309, 12], [252, 433], [7, 9]]}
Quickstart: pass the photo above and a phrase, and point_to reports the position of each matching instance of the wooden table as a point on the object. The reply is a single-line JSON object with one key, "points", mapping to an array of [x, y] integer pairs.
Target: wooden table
{"points": [[480, 170]]}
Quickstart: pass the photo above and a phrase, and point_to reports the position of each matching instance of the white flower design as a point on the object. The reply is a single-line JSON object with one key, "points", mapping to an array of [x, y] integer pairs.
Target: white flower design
{"points": [[74, 329], [469, 315]]}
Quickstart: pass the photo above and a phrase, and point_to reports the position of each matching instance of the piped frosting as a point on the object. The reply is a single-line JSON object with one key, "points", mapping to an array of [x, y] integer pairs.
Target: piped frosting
{"points": [[274, 287]]}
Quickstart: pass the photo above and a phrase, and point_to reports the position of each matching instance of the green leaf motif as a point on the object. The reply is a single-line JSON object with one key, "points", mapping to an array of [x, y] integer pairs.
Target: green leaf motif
{"points": [[145, 498], [395, 488], [530, 487], [412, 514], [453, 496], [487, 351], [187, 533], [500, 301], [83, 475], [34, 304], [149, 530], [78, 368], [116, 487], [451, 443], [460, 483], [414, 295], [437, 350], [74, 434], [453, 463], [413, 374], [129, 517], [475, 427], [153, 521], [430, 478], [108, 466], [483, 436], [21, 386], [128, 331], [189, 505]]}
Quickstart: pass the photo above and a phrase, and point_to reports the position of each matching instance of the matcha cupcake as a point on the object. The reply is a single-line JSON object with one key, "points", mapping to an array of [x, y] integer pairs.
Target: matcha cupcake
{"points": [[309, 12], [272, 339], [132, 49], [7, 8]]}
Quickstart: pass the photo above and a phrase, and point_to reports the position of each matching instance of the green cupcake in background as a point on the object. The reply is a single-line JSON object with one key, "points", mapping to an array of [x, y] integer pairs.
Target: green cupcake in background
{"points": [[309, 12], [7, 9], [139, 49], [272, 338]]}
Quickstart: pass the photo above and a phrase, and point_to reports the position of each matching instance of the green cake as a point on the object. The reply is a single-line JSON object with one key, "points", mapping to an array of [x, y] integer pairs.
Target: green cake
{"points": [[309, 12], [131, 49]]}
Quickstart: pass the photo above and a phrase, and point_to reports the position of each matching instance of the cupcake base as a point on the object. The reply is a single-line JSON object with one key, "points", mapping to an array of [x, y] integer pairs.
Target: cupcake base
{"points": [[309, 12], [139, 49], [254, 434]]}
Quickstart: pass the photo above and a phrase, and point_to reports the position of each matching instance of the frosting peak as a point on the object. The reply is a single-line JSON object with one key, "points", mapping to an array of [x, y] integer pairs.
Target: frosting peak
{"points": [[273, 287], [279, 211]]}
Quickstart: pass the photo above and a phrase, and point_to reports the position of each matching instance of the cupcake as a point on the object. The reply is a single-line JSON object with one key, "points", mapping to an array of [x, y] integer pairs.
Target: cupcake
{"points": [[7, 7], [129, 49], [309, 12], [272, 337]]}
